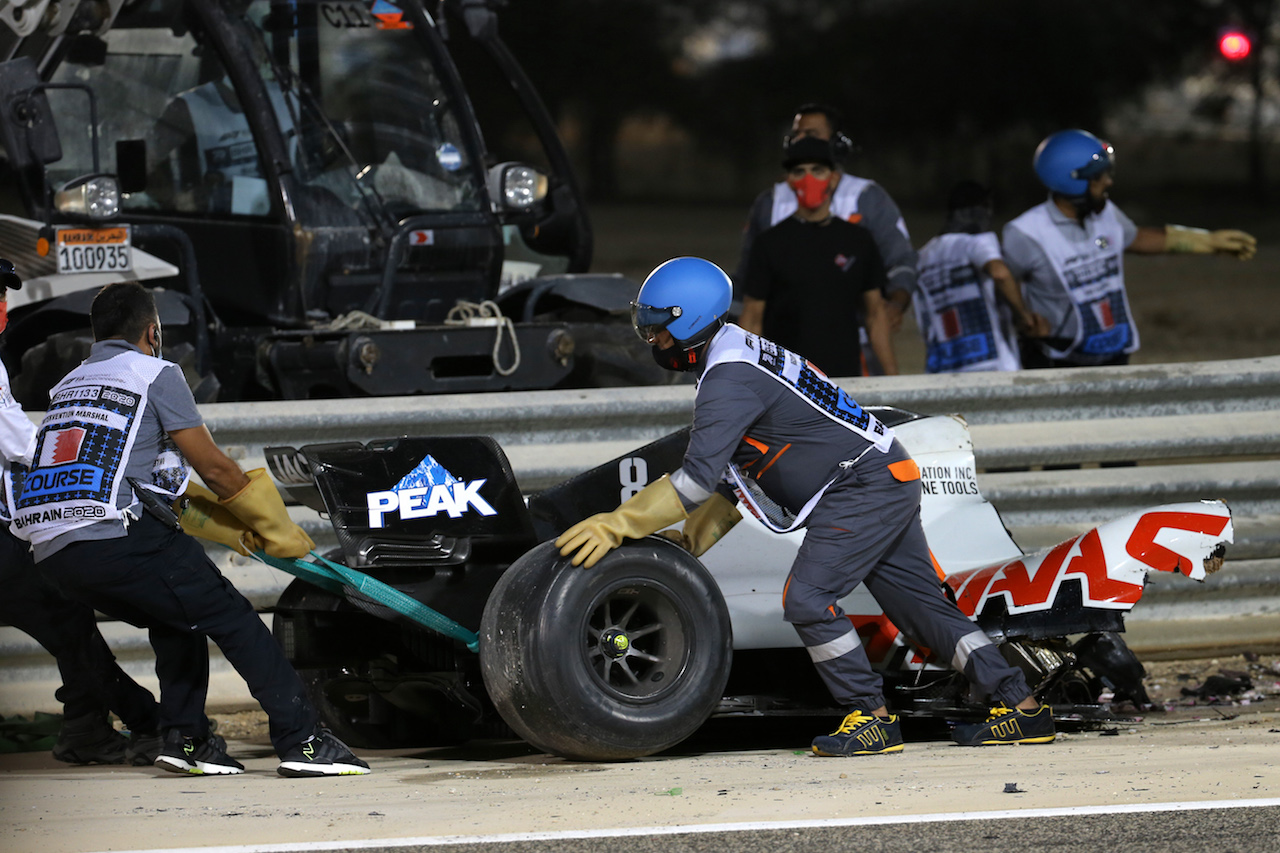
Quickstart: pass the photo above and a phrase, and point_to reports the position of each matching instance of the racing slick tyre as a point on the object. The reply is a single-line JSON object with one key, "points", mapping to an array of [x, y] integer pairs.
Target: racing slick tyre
{"points": [[621, 660]]}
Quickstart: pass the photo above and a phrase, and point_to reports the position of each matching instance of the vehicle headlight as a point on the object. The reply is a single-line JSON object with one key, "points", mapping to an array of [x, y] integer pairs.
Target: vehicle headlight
{"points": [[93, 197], [515, 186]]}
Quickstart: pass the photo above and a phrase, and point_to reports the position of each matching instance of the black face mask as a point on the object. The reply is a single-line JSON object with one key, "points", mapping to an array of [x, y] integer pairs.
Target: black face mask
{"points": [[1087, 204], [688, 357], [673, 357]]}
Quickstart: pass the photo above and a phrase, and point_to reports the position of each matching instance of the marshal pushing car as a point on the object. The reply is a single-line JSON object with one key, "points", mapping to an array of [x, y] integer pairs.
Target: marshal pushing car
{"points": [[631, 656]]}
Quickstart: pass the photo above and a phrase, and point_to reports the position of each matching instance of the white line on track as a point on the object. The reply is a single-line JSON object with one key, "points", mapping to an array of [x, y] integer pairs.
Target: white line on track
{"points": [[755, 826]]}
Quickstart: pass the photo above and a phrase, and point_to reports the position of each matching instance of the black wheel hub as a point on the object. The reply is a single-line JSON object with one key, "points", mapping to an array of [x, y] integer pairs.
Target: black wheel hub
{"points": [[614, 643], [636, 642]]}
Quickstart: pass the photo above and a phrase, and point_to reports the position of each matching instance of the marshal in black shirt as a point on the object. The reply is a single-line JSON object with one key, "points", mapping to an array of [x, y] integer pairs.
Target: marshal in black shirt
{"points": [[812, 277]]}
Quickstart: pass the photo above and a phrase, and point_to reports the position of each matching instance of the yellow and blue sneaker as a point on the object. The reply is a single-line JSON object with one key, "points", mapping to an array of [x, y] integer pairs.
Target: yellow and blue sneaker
{"points": [[861, 734], [1008, 725]]}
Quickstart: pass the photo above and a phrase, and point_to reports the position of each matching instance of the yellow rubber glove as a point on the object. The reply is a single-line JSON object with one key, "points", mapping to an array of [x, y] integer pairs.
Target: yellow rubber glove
{"points": [[706, 526], [202, 516], [260, 506], [1179, 238], [652, 508]]}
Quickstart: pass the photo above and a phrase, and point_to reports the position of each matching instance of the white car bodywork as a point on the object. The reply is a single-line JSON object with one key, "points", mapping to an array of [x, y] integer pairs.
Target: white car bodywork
{"points": [[972, 548]]}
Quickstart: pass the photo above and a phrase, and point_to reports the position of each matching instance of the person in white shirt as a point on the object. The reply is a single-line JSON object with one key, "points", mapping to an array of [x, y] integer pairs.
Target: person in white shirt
{"points": [[967, 302], [1068, 254]]}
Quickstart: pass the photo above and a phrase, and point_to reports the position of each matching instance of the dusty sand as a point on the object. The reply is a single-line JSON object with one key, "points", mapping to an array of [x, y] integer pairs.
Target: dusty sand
{"points": [[742, 773], [501, 788], [1187, 307]]}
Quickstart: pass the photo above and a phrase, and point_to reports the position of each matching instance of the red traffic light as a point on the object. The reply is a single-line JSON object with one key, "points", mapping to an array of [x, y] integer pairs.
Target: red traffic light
{"points": [[1234, 45]]}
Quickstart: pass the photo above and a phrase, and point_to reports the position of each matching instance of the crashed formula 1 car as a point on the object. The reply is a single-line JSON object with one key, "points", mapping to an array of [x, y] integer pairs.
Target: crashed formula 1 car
{"points": [[630, 657]]}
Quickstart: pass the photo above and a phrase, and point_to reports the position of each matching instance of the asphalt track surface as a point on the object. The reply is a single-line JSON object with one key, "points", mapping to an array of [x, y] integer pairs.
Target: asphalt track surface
{"points": [[1247, 825]]}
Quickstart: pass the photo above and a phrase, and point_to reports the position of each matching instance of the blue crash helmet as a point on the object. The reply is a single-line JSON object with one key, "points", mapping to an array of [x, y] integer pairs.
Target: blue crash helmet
{"points": [[688, 297], [1066, 161]]}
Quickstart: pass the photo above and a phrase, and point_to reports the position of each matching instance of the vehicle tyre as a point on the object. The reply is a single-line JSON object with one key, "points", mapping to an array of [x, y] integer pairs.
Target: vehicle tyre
{"points": [[610, 355], [44, 365], [621, 660]]}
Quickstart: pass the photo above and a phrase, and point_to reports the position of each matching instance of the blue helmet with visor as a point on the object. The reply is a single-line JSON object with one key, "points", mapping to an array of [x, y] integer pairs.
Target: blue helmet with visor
{"points": [[1066, 161], [688, 298]]}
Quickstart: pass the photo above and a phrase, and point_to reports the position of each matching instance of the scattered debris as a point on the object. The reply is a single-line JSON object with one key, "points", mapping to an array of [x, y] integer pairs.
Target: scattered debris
{"points": [[1217, 687], [1246, 679], [670, 792], [1212, 688], [1012, 788], [1109, 733]]}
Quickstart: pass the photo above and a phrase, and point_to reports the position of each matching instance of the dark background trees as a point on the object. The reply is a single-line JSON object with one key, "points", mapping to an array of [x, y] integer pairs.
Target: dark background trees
{"points": [[951, 86]]}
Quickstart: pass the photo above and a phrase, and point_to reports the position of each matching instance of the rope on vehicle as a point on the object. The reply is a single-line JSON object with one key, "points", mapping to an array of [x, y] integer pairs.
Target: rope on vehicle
{"points": [[487, 313], [353, 320], [332, 576]]}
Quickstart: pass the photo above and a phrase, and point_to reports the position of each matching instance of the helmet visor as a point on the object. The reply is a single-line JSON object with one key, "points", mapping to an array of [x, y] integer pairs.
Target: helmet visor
{"points": [[1101, 162], [648, 321]]}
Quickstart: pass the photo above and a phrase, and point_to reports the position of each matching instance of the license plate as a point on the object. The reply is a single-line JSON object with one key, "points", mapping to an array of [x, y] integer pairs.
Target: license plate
{"points": [[94, 250]]}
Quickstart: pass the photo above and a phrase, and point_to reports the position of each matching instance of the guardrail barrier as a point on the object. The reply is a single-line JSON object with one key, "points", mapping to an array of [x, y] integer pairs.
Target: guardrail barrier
{"points": [[1057, 451]]}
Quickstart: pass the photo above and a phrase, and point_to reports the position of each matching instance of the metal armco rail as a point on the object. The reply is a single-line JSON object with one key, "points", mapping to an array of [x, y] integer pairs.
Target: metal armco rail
{"points": [[1057, 450]]}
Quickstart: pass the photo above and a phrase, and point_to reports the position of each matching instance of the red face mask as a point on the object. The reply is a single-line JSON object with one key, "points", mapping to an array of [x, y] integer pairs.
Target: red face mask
{"points": [[810, 191]]}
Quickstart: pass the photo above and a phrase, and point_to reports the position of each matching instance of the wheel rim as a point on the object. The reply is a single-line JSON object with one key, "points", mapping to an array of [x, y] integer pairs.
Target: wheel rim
{"points": [[635, 641]]}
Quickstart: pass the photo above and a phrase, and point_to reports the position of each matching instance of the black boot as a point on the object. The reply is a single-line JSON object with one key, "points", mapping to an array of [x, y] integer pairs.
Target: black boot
{"points": [[90, 739], [143, 748]]}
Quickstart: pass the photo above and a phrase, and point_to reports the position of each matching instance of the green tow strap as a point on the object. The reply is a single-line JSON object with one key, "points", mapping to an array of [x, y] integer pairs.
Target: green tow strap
{"points": [[333, 577]]}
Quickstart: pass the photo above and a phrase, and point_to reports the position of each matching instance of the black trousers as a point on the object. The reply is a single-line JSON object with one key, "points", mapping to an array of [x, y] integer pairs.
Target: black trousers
{"points": [[1033, 358], [92, 681], [160, 579]]}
